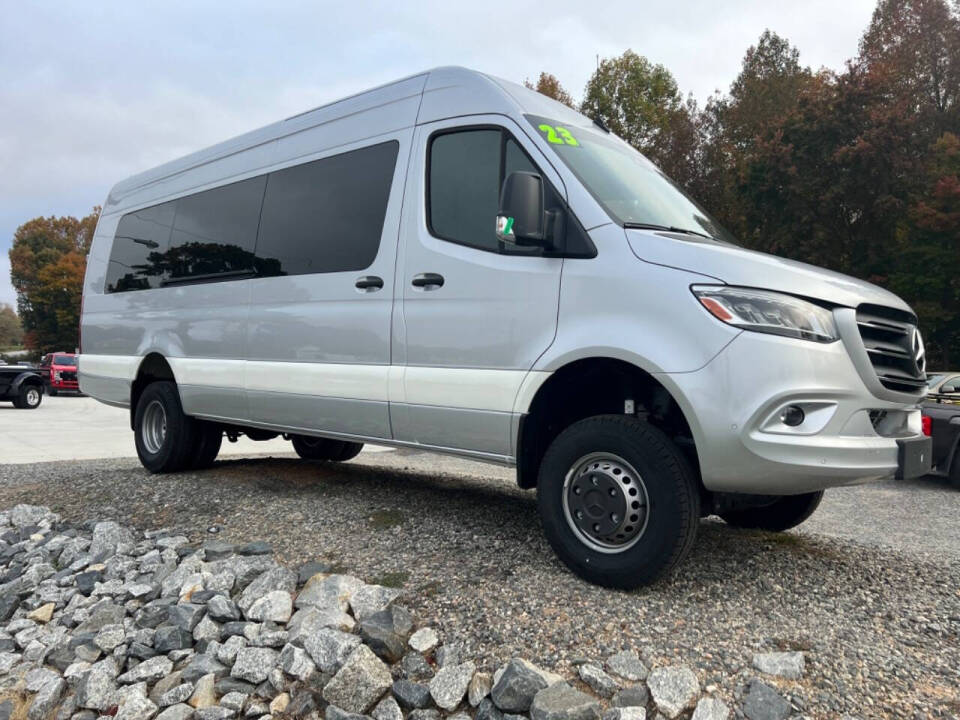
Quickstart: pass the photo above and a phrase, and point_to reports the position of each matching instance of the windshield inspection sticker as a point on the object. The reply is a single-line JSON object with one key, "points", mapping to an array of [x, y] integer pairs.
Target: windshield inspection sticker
{"points": [[558, 135]]}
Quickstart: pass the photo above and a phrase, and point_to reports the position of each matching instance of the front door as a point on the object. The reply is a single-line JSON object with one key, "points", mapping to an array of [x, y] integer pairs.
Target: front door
{"points": [[475, 313]]}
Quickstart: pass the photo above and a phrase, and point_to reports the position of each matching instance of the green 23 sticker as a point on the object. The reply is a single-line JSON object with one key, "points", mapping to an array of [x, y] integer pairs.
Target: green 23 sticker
{"points": [[558, 135]]}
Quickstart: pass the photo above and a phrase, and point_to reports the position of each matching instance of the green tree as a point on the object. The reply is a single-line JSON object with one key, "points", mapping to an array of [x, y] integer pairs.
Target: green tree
{"points": [[548, 85], [640, 102], [11, 332], [47, 261]]}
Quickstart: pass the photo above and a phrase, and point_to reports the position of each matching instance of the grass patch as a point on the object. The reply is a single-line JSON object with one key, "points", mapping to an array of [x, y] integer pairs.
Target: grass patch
{"points": [[383, 519], [431, 589], [392, 579]]}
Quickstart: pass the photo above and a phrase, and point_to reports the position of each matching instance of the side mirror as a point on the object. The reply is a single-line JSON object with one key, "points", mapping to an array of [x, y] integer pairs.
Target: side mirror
{"points": [[521, 219], [947, 389]]}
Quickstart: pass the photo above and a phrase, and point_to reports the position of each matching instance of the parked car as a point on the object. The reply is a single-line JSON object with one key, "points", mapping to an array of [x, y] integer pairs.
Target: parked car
{"points": [[23, 386], [60, 370], [939, 382], [387, 268]]}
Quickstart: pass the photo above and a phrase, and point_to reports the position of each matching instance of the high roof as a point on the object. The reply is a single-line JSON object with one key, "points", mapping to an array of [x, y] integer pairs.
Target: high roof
{"points": [[432, 95]]}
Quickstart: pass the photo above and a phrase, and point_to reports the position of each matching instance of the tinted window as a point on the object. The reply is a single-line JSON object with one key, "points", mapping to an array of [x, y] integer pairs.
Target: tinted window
{"points": [[65, 360], [139, 245], [467, 169], [215, 231], [465, 187], [327, 215]]}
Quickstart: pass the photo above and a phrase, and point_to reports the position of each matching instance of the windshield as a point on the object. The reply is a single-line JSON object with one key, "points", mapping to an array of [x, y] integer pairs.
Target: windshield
{"points": [[65, 360], [631, 188]]}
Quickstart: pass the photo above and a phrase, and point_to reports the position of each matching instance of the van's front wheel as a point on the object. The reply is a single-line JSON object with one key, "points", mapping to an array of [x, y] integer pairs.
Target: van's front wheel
{"points": [[315, 448], [618, 502]]}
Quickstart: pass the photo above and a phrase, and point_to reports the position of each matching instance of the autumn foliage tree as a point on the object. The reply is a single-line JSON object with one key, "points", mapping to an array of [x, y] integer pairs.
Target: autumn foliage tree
{"points": [[855, 170], [11, 332], [548, 85], [47, 263]]}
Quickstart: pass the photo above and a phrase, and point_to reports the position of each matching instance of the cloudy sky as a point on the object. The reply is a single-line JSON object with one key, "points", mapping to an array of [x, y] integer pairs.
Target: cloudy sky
{"points": [[92, 92]]}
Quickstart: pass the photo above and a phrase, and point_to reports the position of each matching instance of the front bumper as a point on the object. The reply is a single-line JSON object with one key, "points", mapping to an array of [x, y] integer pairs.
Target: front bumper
{"points": [[734, 402]]}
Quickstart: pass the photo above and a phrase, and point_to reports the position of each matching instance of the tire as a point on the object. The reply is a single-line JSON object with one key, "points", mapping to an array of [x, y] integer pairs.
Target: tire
{"points": [[954, 475], [640, 470], [787, 512], [28, 397], [164, 436], [207, 442], [314, 448], [53, 392]]}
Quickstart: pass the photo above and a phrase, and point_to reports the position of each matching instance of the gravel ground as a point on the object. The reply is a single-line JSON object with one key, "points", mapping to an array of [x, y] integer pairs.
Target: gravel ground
{"points": [[870, 589]]}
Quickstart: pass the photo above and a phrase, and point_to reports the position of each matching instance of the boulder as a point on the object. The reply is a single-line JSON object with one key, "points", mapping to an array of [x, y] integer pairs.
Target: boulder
{"points": [[516, 686], [674, 689], [787, 665], [449, 686], [359, 683], [562, 702]]}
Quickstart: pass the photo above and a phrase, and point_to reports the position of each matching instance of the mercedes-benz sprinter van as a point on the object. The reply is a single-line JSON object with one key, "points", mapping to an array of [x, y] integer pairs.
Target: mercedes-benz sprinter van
{"points": [[455, 263]]}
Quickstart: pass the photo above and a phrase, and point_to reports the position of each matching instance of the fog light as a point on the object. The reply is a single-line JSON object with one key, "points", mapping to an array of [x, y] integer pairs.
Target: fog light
{"points": [[792, 415]]}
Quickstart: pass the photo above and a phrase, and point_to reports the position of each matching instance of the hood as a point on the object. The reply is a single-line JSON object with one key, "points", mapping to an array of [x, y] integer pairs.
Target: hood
{"points": [[749, 268]]}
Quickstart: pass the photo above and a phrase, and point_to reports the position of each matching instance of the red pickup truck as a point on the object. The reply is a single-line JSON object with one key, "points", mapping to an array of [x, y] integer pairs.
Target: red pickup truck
{"points": [[60, 372]]}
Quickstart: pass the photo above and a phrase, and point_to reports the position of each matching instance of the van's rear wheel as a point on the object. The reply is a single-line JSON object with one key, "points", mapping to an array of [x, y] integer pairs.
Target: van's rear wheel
{"points": [[314, 448], [164, 436], [785, 513], [618, 501]]}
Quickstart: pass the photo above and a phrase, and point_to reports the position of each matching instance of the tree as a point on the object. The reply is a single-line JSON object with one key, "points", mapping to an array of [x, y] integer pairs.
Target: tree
{"points": [[548, 85], [640, 102], [47, 262], [915, 44], [11, 333]]}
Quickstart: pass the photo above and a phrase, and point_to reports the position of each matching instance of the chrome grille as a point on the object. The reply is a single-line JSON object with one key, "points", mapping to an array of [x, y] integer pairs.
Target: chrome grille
{"points": [[894, 346]]}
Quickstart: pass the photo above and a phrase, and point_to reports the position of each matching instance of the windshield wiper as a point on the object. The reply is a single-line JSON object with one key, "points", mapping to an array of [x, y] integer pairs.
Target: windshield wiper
{"points": [[665, 228]]}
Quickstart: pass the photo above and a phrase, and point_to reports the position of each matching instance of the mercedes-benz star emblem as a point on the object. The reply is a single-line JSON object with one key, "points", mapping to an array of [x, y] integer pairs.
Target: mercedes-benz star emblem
{"points": [[919, 352]]}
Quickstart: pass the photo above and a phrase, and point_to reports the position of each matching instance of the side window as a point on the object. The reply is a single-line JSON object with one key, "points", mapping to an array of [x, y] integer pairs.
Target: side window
{"points": [[464, 183], [215, 232], [136, 258], [327, 215], [466, 172]]}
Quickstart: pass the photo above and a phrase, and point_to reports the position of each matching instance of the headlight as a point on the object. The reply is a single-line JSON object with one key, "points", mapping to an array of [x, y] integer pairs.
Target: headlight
{"points": [[768, 312]]}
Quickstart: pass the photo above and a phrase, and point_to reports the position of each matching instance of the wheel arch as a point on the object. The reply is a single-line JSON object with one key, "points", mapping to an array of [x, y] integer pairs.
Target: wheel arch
{"points": [[27, 378], [152, 368], [598, 385]]}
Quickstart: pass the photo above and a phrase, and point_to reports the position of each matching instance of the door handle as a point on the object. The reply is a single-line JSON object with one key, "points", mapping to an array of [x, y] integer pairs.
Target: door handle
{"points": [[369, 282], [428, 281]]}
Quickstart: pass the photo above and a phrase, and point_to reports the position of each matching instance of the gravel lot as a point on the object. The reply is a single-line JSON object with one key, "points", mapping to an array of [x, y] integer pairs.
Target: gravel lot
{"points": [[870, 588]]}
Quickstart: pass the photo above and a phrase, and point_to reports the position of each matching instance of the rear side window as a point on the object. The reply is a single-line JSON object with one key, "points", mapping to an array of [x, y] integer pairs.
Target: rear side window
{"points": [[467, 169], [327, 215], [141, 240], [215, 232]]}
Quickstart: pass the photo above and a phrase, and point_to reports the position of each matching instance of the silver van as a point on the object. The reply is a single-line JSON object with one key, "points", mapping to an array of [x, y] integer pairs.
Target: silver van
{"points": [[455, 263]]}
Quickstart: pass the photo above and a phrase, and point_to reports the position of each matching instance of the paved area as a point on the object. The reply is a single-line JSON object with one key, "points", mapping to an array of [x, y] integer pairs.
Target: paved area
{"points": [[73, 427]]}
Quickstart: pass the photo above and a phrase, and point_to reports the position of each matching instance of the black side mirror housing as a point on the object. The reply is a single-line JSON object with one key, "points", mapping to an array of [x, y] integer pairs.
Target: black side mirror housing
{"points": [[522, 218]]}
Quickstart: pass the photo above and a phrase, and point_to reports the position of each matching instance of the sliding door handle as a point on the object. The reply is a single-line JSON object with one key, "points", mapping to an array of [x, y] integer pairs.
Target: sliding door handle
{"points": [[370, 283], [428, 281]]}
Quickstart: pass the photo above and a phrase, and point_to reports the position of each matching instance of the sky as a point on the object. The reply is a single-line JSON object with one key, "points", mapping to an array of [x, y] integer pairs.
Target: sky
{"points": [[92, 92]]}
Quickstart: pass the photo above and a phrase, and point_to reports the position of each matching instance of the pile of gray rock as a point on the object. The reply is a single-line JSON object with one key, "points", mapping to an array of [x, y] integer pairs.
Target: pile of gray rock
{"points": [[104, 621]]}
